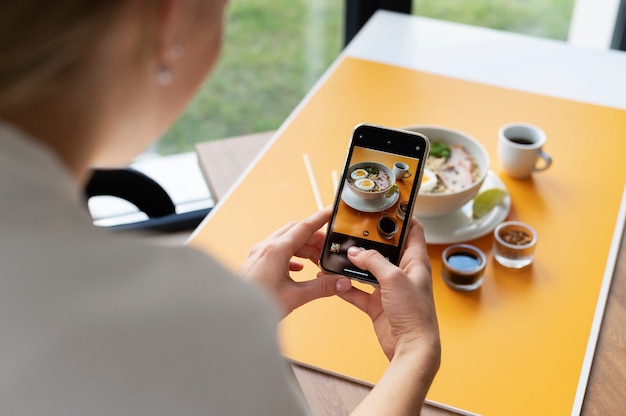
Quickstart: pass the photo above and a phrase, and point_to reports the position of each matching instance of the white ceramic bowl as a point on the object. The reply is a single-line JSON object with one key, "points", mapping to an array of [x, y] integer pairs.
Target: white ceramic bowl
{"points": [[370, 194], [435, 205]]}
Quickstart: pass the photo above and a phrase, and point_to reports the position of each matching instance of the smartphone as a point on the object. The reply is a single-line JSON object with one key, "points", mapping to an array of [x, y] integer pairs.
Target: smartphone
{"points": [[375, 198]]}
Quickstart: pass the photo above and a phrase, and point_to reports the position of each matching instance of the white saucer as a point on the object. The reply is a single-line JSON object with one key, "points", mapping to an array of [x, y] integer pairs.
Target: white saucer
{"points": [[368, 205], [459, 226]]}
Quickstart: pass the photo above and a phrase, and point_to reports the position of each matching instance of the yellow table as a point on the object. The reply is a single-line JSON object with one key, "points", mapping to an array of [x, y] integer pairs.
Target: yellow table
{"points": [[519, 344]]}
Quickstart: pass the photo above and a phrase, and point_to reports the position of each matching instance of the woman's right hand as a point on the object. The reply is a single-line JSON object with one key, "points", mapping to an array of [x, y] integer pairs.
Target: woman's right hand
{"points": [[402, 308]]}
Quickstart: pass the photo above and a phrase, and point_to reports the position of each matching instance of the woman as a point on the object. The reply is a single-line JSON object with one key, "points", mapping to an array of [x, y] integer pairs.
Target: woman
{"points": [[94, 323]]}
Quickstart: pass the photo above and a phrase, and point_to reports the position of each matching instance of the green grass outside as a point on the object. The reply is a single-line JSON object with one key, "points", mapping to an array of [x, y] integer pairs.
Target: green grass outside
{"points": [[275, 50], [545, 18]]}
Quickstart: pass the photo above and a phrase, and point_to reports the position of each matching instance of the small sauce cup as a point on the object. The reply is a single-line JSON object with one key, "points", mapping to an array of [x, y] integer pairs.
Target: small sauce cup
{"points": [[387, 227], [401, 210], [514, 244], [463, 267]]}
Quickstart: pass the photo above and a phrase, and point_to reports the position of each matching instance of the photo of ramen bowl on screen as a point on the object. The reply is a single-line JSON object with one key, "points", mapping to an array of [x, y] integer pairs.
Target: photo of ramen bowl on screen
{"points": [[372, 194], [370, 180]]}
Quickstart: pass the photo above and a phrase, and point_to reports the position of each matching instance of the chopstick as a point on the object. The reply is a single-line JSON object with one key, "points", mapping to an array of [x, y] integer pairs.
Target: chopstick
{"points": [[314, 187], [335, 176]]}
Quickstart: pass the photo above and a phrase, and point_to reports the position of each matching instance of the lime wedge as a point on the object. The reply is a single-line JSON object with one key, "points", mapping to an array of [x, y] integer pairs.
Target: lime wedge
{"points": [[486, 201], [391, 191]]}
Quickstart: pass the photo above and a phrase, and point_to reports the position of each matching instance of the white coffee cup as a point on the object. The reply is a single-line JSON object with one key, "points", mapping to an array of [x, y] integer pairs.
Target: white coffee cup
{"points": [[520, 150], [401, 170]]}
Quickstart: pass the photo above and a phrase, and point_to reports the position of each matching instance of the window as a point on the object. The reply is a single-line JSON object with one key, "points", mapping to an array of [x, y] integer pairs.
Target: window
{"points": [[543, 18], [274, 51]]}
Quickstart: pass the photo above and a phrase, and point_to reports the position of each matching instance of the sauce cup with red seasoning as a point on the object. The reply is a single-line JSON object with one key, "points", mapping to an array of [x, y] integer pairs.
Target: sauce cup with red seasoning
{"points": [[514, 244]]}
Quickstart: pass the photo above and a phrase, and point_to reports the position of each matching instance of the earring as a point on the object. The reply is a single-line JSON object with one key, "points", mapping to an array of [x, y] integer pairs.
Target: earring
{"points": [[164, 76], [164, 72]]}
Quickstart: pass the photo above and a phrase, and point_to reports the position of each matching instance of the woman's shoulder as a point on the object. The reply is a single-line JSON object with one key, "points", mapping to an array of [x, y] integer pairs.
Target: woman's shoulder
{"points": [[169, 321], [181, 273]]}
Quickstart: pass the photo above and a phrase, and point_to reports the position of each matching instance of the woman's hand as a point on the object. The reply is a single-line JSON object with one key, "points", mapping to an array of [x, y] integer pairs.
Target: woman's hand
{"points": [[270, 263], [403, 312], [402, 307]]}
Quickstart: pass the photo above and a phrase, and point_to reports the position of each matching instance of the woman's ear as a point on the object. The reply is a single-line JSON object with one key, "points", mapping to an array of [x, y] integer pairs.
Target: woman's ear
{"points": [[171, 20]]}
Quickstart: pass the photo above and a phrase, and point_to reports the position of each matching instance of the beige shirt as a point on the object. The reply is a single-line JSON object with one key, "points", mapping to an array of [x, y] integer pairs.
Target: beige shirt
{"points": [[93, 323]]}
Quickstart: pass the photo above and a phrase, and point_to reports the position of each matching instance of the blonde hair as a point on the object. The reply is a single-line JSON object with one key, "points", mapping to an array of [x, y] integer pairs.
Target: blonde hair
{"points": [[41, 40]]}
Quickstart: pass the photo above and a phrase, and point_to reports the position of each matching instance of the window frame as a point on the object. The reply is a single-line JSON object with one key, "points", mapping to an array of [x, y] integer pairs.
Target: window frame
{"points": [[593, 23], [358, 12], [600, 26]]}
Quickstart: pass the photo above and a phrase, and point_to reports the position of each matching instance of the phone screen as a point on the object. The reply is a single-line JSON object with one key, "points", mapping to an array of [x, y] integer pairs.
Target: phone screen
{"points": [[375, 198]]}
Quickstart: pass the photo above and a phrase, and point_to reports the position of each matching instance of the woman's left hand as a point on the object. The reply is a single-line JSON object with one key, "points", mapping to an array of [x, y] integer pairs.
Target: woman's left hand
{"points": [[270, 263]]}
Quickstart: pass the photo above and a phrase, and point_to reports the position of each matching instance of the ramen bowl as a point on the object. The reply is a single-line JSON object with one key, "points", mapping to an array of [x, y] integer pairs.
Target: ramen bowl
{"points": [[438, 204], [376, 192]]}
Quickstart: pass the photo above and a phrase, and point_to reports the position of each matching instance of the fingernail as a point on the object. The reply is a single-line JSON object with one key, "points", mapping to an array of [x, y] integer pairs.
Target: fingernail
{"points": [[354, 250], [343, 285]]}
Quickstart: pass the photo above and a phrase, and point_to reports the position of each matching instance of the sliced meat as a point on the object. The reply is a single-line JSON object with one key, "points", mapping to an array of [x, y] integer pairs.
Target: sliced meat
{"points": [[382, 181], [456, 173]]}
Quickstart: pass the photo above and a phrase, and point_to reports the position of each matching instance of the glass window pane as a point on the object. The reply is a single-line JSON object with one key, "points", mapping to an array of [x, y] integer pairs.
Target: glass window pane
{"points": [[274, 51], [545, 18]]}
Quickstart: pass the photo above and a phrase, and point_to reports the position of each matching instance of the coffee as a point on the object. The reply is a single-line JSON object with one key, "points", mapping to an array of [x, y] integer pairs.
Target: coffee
{"points": [[520, 150], [387, 227], [521, 140], [401, 170]]}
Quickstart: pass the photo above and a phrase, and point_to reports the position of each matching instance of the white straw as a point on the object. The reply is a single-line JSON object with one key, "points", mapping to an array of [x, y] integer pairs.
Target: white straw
{"points": [[316, 191], [335, 176]]}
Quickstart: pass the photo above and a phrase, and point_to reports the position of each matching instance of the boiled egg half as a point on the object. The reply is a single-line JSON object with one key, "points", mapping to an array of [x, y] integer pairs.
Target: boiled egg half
{"points": [[429, 181], [359, 174], [364, 184]]}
